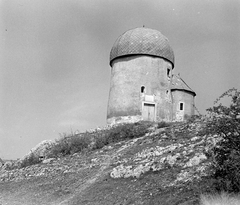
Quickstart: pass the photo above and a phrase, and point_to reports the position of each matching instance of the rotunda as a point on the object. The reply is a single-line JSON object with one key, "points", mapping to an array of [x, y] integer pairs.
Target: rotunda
{"points": [[142, 61]]}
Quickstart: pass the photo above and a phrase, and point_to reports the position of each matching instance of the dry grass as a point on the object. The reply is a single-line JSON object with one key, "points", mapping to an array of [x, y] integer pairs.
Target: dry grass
{"points": [[70, 144], [220, 199]]}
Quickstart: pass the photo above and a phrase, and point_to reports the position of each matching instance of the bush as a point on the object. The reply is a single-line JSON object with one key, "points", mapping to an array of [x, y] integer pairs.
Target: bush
{"points": [[220, 199], [128, 131], [96, 140], [31, 160], [195, 118], [119, 133], [70, 145], [225, 155], [79, 143], [163, 124], [101, 139]]}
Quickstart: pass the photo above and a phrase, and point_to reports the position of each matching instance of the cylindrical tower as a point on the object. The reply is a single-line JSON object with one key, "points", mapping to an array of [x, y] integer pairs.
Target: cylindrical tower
{"points": [[141, 63]]}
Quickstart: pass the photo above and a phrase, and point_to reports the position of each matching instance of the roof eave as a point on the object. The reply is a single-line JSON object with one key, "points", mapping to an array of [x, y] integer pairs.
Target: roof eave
{"points": [[142, 54], [189, 91]]}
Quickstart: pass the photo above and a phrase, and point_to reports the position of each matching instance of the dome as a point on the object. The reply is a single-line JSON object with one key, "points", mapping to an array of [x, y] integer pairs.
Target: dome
{"points": [[142, 41]]}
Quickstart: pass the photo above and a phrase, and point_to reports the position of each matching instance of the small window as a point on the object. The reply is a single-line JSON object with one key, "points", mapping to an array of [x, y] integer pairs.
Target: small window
{"points": [[181, 106], [143, 89], [168, 72]]}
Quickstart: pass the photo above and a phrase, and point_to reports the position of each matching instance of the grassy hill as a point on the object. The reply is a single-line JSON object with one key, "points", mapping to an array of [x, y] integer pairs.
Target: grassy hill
{"points": [[186, 163], [140, 163]]}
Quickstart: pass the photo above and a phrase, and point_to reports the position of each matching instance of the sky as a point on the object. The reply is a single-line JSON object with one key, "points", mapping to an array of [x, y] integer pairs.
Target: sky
{"points": [[54, 59]]}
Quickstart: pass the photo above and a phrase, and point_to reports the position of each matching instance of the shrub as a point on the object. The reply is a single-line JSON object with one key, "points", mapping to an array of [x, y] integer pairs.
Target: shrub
{"points": [[220, 199], [163, 124], [30, 160], [61, 147], [119, 133], [128, 131], [78, 143], [195, 118], [70, 145], [96, 140], [225, 155], [101, 139]]}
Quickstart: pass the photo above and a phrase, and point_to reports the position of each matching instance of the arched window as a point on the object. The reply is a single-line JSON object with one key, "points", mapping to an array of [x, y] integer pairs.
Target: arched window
{"points": [[142, 89], [168, 72], [181, 106]]}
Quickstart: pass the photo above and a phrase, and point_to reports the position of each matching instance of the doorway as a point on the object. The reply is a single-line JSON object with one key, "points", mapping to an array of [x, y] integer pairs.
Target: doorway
{"points": [[148, 111]]}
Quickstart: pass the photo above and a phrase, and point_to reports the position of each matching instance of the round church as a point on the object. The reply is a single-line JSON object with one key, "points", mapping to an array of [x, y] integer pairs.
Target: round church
{"points": [[143, 86]]}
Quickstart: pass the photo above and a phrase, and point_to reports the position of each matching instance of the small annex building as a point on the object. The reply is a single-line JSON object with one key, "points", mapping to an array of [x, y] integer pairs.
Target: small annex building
{"points": [[143, 86]]}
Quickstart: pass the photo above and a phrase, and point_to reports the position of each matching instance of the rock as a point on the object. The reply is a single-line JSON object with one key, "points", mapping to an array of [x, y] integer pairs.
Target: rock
{"points": [[109, 147], [171, 160], [7, 165], [41, 150], [49, 160], [195, 138], [17, 164], [164, 136], [196, 160], [94, 160], [127, 159]]}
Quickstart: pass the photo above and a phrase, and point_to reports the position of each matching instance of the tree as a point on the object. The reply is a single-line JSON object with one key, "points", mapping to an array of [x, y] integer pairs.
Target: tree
{"points": [[225, 122]]}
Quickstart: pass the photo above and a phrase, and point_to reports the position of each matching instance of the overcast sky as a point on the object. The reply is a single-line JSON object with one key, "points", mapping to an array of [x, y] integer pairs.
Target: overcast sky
{"points": [[54, 59]]}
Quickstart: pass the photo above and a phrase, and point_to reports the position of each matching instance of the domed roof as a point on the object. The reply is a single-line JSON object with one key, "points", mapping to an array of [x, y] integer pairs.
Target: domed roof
{"points": [[142, 41]]}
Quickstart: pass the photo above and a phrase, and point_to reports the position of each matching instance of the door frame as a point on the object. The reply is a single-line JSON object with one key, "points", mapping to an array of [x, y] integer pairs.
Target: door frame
{"points": [[155, 109]]}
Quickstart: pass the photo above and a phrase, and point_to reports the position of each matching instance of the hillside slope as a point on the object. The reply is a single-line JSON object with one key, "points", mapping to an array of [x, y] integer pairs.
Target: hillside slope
{"points": [[166, 166]]}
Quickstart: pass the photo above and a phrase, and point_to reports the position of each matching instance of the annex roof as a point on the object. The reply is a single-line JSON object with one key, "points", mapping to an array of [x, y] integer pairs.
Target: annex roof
{"points": [[179, 84]]}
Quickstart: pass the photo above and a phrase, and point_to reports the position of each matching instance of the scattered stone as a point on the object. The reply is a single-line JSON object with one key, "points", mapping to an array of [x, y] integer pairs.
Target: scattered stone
{"points": [[94, 160], [41, 150], [7, 165], [151, 155], [195, 138], [49, 160], [196, 160]]}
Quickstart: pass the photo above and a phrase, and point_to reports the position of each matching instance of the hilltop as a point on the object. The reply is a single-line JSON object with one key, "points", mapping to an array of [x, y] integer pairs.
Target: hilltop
{"points": [[166, 165], [178, 163]]}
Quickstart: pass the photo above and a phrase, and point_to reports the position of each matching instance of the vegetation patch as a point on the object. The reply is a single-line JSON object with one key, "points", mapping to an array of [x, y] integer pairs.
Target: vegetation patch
{"points": [[70, 144], [186, 163], [224, 122], [30, 160]]}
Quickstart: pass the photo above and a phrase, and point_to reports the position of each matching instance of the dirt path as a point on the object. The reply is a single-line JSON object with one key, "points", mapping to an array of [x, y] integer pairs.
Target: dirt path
{"points": [[62, 191], [100, 174], [83, 186]]}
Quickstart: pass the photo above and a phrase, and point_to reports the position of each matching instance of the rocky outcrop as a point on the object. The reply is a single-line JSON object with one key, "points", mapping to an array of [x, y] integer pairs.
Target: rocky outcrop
{"points": [[41, 150], [180, 147], [188, 156], [49, 167]]}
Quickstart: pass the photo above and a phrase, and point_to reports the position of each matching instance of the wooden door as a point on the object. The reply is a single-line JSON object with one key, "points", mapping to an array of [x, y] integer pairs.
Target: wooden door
{"points": [[148, 112]]}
